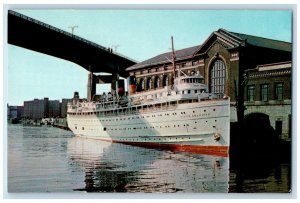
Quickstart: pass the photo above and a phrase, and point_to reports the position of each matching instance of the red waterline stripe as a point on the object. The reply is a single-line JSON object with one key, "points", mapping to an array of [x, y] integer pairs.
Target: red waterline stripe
{"points": [[209, 150]]}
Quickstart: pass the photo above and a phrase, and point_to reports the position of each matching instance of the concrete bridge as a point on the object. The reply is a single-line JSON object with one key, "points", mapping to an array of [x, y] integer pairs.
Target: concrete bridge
{"points": [[37, 36]]}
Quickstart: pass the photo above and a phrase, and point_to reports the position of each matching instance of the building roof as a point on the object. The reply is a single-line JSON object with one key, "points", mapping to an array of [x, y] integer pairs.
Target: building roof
{"points": [[268, 70], [264, 42], [166, 57], [233, 38]]}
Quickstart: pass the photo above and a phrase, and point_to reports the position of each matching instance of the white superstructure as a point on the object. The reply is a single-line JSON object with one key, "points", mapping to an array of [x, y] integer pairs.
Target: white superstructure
{"points": [[182, 116]]}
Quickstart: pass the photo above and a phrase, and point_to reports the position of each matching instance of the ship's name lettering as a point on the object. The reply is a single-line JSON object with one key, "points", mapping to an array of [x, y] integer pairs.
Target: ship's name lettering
{"points": [[201, 115]]}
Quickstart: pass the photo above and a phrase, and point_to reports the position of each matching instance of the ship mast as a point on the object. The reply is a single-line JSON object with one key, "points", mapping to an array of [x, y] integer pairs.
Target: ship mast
{"points": [[173, 57]]}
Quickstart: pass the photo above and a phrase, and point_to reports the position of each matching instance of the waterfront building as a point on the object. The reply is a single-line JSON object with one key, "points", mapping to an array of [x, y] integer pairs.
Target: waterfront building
{"points": [[63, 109], [36, 109], [41, 108], [53, 108], [268, 91], [222, 59], [14, 112]]}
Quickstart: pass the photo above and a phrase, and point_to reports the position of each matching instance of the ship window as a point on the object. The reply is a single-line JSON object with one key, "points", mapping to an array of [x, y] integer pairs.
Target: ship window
{"points": [[189, 91], [104, 129], [75, 127], [82, 128]]}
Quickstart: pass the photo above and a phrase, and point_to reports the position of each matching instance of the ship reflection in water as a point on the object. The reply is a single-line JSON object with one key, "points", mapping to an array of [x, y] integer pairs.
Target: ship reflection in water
{"points": [[53, 160], [123, 168]]}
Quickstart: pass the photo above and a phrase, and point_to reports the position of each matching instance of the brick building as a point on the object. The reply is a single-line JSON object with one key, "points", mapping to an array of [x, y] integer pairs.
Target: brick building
{"points": [[222, 60], [36, 109], [41, 108], [268, 91]]}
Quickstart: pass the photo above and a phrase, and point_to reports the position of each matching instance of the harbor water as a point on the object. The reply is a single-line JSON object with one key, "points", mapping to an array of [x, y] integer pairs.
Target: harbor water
{"points": [[47, 159]]}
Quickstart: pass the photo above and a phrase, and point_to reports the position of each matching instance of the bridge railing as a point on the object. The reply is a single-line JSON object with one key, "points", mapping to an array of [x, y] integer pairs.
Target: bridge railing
{"points": [[67, 33]]}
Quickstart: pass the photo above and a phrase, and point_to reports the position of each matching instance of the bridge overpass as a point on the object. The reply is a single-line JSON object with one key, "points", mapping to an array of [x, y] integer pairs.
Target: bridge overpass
{"points": [[35, 35]]}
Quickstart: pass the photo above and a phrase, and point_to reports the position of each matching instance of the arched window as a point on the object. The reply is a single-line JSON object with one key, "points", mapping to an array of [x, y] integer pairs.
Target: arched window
{"points": [[149, 83], [218, 77], [165, 80], [141, 85], [156, 82]]}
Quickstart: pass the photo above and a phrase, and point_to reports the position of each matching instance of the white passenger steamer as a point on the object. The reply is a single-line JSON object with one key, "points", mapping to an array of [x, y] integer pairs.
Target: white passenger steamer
{"points": [[183, 116]]}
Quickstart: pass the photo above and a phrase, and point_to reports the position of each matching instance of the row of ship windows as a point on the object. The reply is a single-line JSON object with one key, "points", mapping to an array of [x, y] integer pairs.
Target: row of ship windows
{"points": [[98, 113], [151, 139], [153, 116], [146, 127]]}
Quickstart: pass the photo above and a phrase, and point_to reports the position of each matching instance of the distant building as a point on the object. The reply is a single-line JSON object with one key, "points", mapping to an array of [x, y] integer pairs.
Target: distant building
{"points": [[41, 108], [14, 112], [36, 109], [45, 108], [53, 108], [268, 91], [63, 109]]}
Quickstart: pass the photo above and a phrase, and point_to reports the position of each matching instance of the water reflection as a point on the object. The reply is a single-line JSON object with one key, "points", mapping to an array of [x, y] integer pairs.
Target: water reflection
{"points": [[259, 174], [53, 160], [122, 168]]}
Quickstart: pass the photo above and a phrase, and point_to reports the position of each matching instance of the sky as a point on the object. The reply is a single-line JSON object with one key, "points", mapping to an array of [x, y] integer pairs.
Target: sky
{"points": [[138, 34]]}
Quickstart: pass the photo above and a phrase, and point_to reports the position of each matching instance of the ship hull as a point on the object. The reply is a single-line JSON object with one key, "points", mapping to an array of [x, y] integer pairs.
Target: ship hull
{"points": [[201, 127]]}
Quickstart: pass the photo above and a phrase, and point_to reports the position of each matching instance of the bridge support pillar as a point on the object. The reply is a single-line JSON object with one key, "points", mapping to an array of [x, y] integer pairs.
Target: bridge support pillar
{"points": [[113, 86], [91, 87]]}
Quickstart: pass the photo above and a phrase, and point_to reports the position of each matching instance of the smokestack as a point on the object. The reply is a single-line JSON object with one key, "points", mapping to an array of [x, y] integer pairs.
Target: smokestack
{"points": [[121, 87], [131, 84]]}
